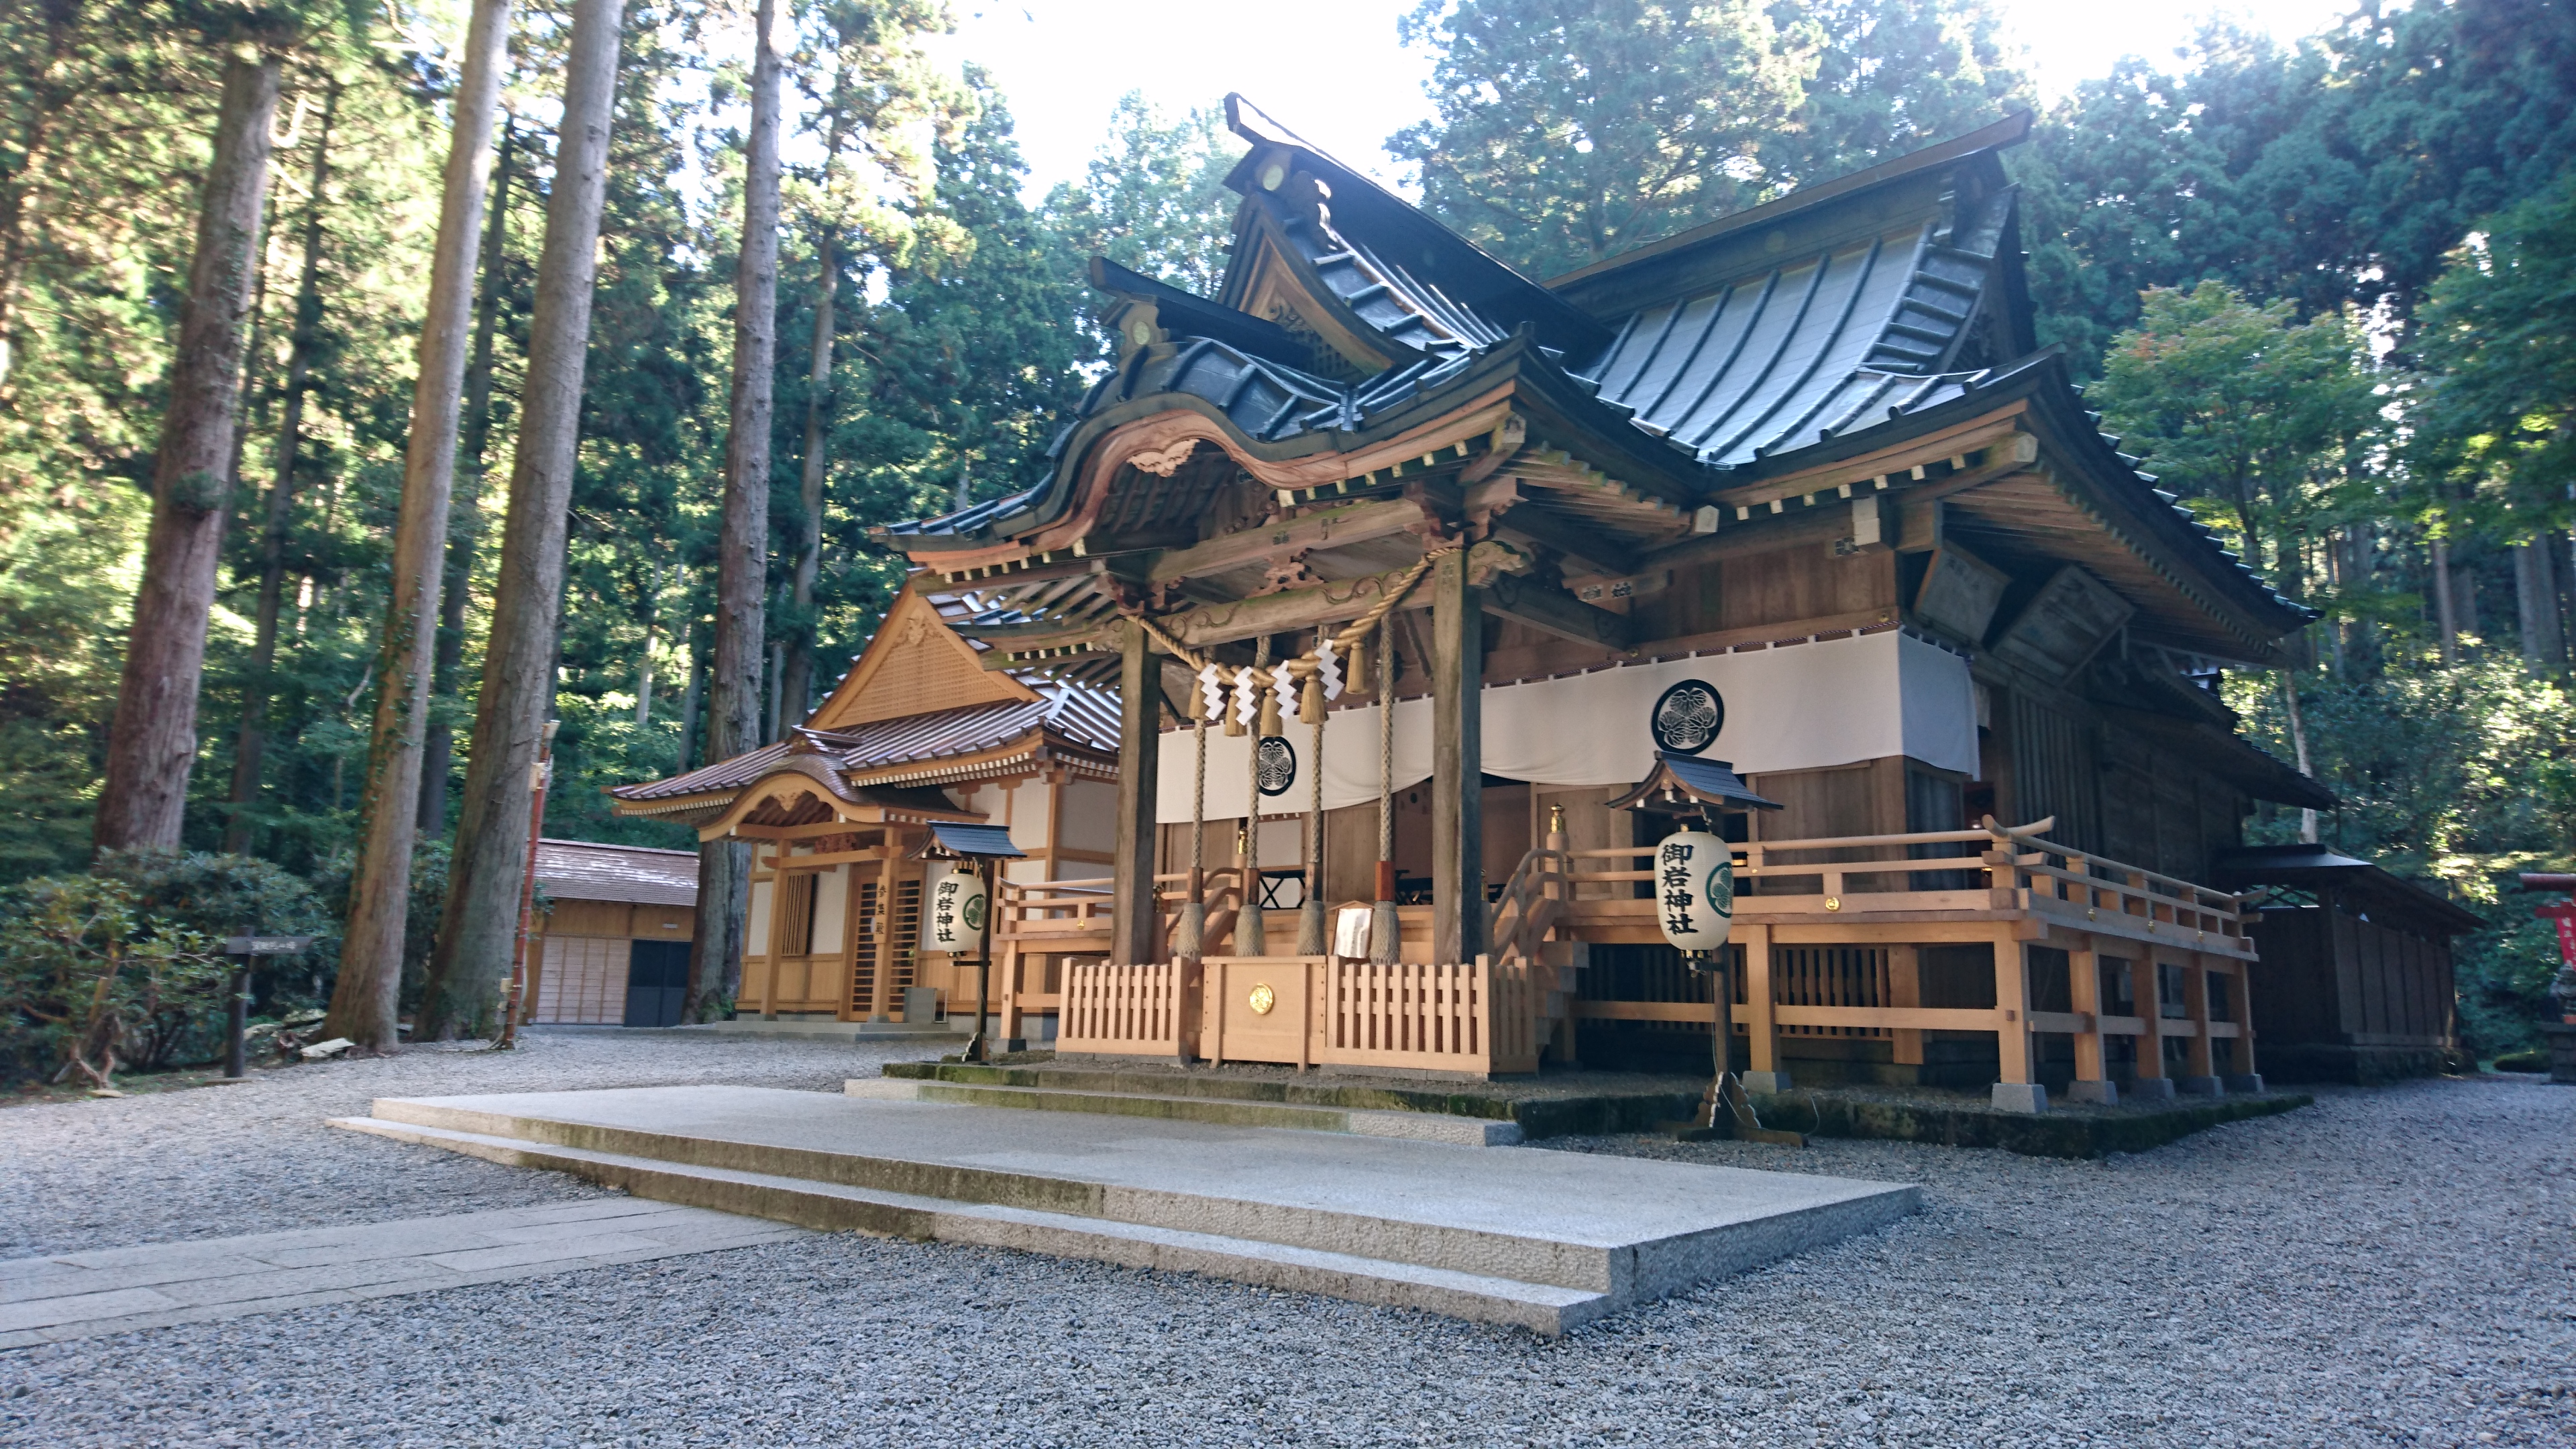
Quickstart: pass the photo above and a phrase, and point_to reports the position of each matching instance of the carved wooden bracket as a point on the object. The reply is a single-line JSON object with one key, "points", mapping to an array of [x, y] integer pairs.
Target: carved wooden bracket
{"points": [[1164, 462]]}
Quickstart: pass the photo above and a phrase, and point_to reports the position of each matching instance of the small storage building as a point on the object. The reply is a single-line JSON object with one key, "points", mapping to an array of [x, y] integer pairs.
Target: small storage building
{"points": [[612, 949], [2356, 982]]}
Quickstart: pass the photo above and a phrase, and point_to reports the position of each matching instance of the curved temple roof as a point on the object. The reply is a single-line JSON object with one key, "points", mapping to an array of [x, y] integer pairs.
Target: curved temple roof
{"points": [[1813, 327]]}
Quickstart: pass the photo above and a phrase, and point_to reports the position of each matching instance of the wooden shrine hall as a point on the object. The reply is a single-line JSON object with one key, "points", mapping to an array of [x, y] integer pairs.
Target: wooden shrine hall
{"points": [[840, 816], [1399, 568]]}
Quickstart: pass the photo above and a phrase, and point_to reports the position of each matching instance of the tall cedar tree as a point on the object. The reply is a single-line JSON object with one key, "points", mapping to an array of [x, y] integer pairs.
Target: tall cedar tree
{"points": [[368, 995], [480, 923], [153, 741], [742, 551]]}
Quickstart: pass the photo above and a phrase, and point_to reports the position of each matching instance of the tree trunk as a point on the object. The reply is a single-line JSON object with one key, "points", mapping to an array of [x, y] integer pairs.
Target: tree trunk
{"points": [[465, 509], [301, 342], [796, 680], [153, 738], [480, 922], [2299, 748], [690, 701], [364, 1002], [2535, 597], [644, 670], [2445, 603], [742, 554]]}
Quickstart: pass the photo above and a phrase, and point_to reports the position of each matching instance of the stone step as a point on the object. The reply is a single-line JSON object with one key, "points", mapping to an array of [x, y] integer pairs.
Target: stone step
{"points": [[1623, 1228], [1417, 1126], [834, 1207]]}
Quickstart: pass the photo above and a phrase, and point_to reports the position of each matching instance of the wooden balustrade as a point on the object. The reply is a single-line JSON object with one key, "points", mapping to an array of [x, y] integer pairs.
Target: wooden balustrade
{"points": [[2024, 875], [1138, 1009]]}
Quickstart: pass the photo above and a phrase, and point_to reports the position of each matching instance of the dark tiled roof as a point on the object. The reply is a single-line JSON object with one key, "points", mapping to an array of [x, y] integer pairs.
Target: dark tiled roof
{"points": [[583, 870], [1817, 346], [1803, 325], [1076, 713]]}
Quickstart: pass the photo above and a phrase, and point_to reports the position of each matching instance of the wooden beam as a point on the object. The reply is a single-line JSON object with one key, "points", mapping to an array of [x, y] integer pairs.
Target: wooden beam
{"points": [[1325, 528], [1546, 606], [1135, 928], [1457, 762], [1330, 603]]}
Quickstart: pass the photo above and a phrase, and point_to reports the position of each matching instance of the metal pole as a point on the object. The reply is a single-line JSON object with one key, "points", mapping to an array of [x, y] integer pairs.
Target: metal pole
{"points": [[234, 1064], [983, 1048], [537, 774]]}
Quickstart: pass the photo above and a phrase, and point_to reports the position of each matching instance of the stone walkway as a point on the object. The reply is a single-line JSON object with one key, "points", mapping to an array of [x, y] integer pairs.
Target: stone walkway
{"points": [[78, 1295]]}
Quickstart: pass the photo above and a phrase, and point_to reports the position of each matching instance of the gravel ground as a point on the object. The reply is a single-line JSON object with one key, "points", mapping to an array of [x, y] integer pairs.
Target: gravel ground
{"points": [[219, 1161], [2387, 1267]]}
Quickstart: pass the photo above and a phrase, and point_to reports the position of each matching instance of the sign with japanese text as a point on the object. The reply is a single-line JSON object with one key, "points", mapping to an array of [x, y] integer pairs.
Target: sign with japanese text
{"points": [[957, 905], [1695, 890]]}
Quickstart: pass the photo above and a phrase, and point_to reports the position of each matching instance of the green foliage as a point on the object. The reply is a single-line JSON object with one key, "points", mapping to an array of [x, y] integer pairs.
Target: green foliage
{"points": [[1563, 134], [89, 981], [2257, 418], [2459, 777], [2499, 338], [1154, 198]]}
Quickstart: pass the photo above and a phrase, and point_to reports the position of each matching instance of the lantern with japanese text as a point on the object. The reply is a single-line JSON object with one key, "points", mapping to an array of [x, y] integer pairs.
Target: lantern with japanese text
{"points": [[957, 906], [1694, 891]]}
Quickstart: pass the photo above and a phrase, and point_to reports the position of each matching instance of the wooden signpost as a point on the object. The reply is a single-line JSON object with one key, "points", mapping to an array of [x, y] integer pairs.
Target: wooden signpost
{"points": [[243, 949]]}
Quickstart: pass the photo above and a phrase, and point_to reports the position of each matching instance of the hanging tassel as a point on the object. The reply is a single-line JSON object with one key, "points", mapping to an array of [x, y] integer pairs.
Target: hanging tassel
{"points": [[1270, 710], [1250, 938], [1359, 667], [1310, 703]]}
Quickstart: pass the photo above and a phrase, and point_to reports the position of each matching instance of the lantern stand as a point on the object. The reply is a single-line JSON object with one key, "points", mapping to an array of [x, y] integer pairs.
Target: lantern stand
{"points": [[1691, 895], [975, 848]]}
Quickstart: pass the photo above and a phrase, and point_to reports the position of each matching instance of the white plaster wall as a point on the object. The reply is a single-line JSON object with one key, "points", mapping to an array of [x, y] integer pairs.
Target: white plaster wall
{"points": [[755, 934], [1091, 815], [831, 909]]}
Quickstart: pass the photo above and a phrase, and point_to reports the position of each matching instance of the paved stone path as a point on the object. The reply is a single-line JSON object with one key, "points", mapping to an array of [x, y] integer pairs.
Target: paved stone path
{"points": [[77, 1295]]}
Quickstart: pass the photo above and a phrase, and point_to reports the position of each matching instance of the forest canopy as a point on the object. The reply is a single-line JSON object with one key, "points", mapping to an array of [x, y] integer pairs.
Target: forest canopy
{"points": [[2326, 288]]}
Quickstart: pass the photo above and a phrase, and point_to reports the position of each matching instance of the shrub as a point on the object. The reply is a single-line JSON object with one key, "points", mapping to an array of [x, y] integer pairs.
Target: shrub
{"points": [[89, 982]]}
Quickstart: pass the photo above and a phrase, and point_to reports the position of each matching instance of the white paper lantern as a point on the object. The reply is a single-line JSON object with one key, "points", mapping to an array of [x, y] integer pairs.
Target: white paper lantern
{"points": [[1694, 890], [957, 905]]}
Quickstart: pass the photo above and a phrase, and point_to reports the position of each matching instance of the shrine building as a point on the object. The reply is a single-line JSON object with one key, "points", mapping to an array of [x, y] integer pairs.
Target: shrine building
{"points": [[1365, 627]]}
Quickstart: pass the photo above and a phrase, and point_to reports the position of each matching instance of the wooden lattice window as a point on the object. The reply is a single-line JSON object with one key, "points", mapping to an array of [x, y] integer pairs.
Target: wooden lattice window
{"points": [[872, 922], [795, 933]]}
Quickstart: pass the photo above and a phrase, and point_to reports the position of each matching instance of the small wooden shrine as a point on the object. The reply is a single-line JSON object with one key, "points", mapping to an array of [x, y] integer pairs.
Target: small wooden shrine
{"points": [[1401, 572], [840, 815], [2356, 984]]}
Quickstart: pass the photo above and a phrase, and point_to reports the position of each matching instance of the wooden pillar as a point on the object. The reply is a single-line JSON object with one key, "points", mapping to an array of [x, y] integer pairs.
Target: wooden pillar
{"points": [[2245, 1066], [1761, 1026], [1905, 989], [2084, 986], [2012, 1002], [1457, 765], [2146, 987], [1135, 914], [2195, 1001], [777, 918], [882, 968]]}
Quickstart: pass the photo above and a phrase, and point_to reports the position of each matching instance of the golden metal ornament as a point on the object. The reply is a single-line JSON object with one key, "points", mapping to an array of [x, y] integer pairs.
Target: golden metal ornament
{"points": [[1262, 999]]}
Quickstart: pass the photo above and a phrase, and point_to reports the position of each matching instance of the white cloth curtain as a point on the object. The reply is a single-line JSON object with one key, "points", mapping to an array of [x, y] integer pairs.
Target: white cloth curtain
{"points": [[1801, 707]]}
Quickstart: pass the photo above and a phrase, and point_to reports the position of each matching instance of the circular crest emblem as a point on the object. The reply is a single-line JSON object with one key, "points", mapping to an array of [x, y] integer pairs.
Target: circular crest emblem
{"points": [[1721, 889], [974, 913], [1262, 999], [1687, 718], [1275, 765]]}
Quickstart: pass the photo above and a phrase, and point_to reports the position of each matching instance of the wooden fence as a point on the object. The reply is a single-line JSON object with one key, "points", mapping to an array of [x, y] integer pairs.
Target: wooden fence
{"points": [[1117, 1009]]}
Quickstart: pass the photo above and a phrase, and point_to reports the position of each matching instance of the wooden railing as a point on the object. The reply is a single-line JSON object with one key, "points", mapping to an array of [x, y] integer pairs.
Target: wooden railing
{"points": [[1119, 1009], [2021, 873]]}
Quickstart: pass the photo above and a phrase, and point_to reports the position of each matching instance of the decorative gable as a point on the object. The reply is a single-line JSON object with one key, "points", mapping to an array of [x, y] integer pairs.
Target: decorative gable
{"points": [[915, 665]]}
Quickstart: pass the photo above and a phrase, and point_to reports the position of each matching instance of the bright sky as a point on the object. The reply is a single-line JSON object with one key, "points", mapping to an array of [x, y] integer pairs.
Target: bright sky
{"points": [[1332, 70]]}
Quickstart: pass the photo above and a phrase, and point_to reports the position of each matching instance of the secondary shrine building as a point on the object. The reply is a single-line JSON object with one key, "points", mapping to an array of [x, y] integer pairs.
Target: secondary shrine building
{"points": [[1796, 491]]}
